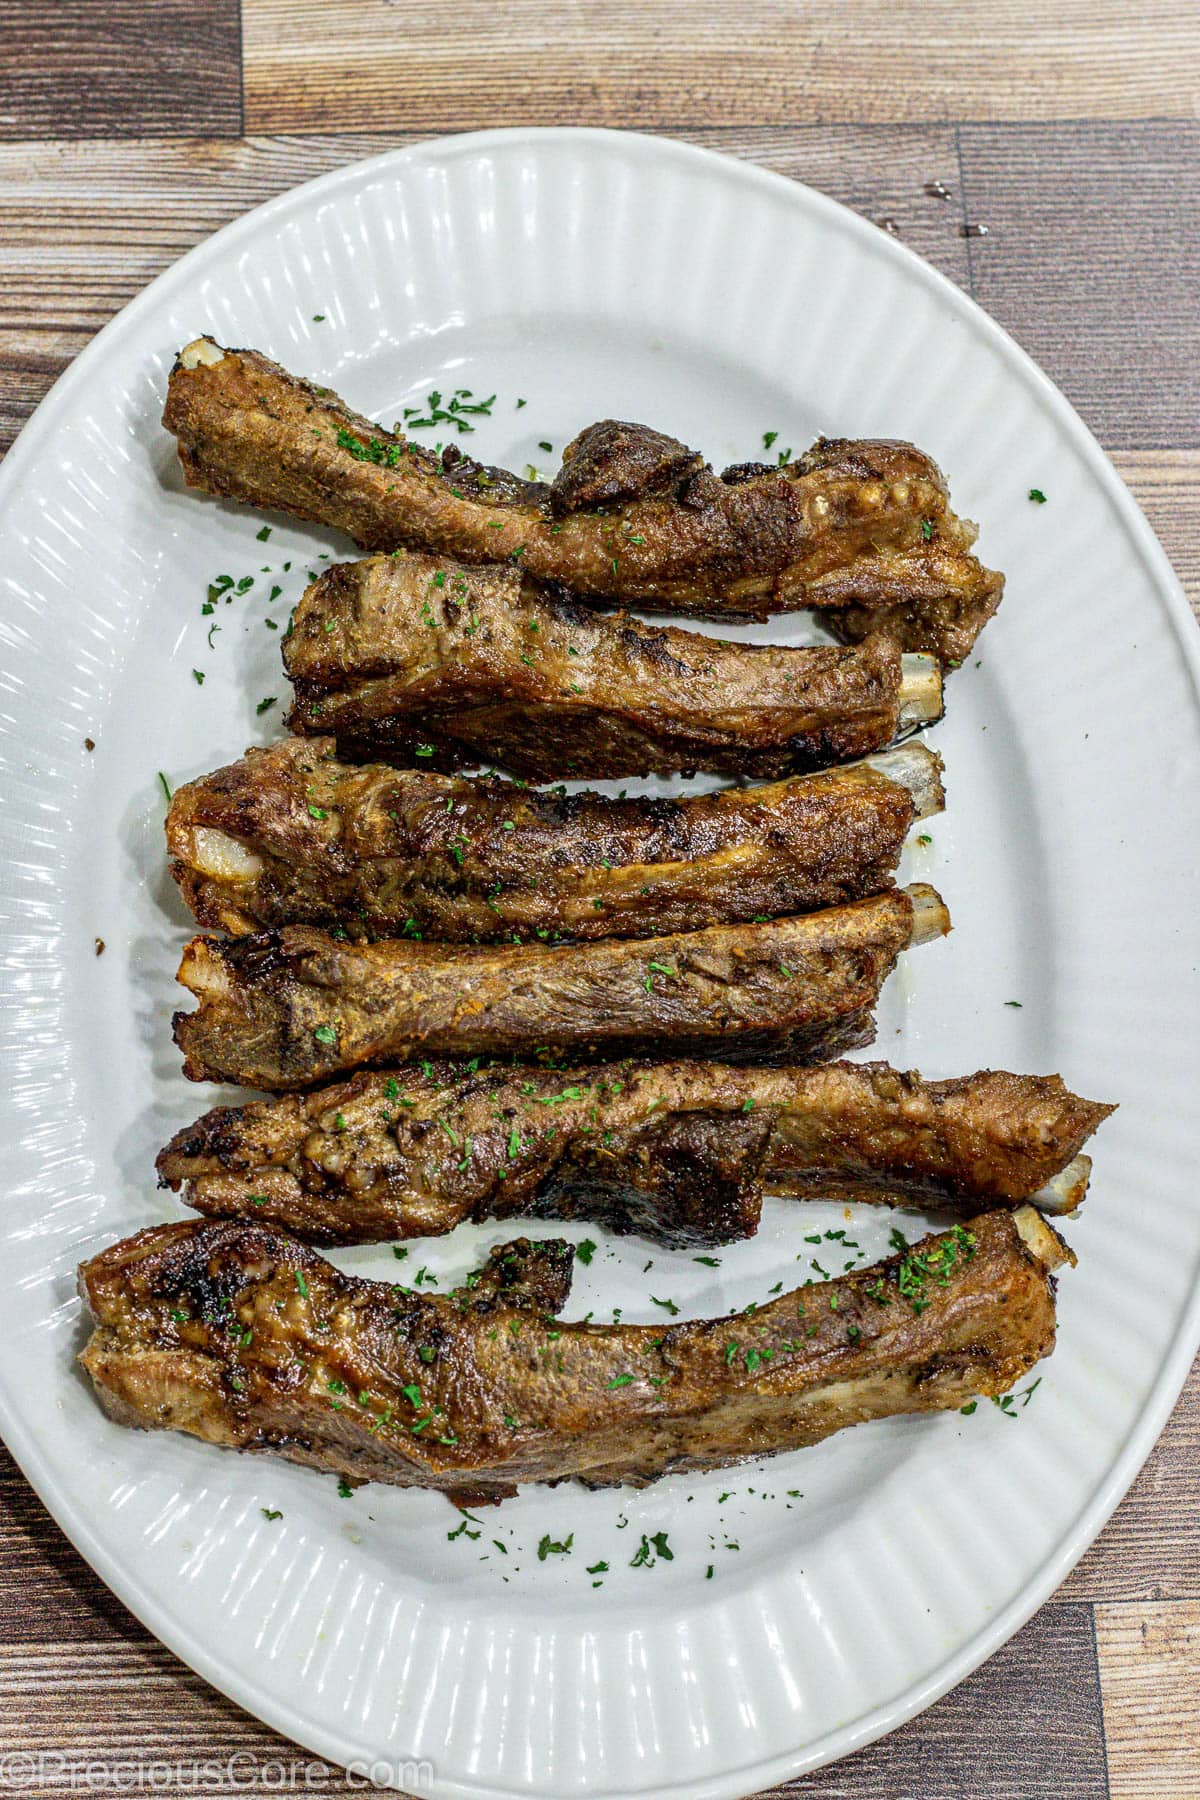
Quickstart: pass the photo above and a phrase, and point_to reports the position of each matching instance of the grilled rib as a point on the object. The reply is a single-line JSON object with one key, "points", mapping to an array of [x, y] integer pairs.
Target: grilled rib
{"points": [[239, 1335], [286, 1009], [862, 531], [680, 1152], [411, 658], [289, 835]]}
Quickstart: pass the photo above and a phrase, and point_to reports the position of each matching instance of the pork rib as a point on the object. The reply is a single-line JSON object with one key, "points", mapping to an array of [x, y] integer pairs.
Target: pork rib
{"points": [[678, 1151], [239, 1335], [410, 658], [862, 531], [289, 1008], [289, 835]]}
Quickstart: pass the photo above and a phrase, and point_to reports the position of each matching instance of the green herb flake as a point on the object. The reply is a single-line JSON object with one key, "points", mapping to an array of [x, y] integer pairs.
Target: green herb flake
{"points": [[1037, 496], [553, 1547]]}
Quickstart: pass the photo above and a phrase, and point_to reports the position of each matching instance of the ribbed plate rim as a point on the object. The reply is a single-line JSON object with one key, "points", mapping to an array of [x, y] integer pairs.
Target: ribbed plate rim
{"points": [[137, 1595]]}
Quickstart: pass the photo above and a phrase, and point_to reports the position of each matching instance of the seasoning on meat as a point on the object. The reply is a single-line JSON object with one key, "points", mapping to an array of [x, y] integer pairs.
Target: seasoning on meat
{"points": [[408, 658], [289, 835], [240, 1335], [285, 1009], [678, 1151], [861, 530]]}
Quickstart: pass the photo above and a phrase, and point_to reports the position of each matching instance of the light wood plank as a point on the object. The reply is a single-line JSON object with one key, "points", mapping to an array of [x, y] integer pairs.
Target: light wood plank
{"points": [[1092, 261], [650, 64], [119, 68], [1150, 1680]]}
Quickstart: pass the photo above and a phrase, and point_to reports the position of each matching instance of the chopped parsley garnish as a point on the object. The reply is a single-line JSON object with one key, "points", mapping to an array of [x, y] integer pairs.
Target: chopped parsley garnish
{"points": [[374, 451], [301, 1285], [270, 1512], [553, 1547], [198, 677], [325, 1034], [649, 1548], [585, 1250], [265, 705], [166, 786], [620, 1381], [927, 529], [1037, 496]]}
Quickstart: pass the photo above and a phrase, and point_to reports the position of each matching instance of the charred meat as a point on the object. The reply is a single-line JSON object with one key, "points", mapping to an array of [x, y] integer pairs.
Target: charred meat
{"points": [[241, 1336], [289, 835], [289, 1008], [408, 658], [862, 531], [680, 1152]]}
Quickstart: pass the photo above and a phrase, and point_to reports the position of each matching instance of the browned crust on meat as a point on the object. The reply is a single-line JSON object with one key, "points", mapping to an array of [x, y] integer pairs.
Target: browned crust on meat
{"points": [[852, 525], [410, 657], [239, 1335], [379, 851], [289, 1008], [677, 1151]]}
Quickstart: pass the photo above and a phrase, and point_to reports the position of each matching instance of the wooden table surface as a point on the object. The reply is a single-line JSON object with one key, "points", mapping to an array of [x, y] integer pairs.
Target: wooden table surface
{"points": [[131, 129]]}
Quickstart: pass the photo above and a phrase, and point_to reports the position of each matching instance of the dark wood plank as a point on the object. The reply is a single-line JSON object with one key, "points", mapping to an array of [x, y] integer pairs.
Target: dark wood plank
{"points": [[120, 68], [652, 64], [1092, 261]]}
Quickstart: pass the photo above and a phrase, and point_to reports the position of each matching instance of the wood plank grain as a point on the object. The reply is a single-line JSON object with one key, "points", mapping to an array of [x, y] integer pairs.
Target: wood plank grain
{"points": [[650, 65], [1092, 261], [1150, 1674], [84, 227], [76, 68], [1150, 1548]]}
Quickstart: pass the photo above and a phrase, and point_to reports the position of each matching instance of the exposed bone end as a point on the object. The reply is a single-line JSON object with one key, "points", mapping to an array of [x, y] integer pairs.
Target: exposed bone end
{"points": [[920, 690], [1066, 1191], [930, 915], [200, 350], [1041, 1240], [919, 770], [224, 858]]}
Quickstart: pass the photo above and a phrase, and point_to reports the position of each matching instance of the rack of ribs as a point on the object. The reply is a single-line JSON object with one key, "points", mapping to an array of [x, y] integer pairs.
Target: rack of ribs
{"points": [[410, 658], [678, 1151], [861, 531], [241, 1336], [286, 1009], [289, 835]]}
